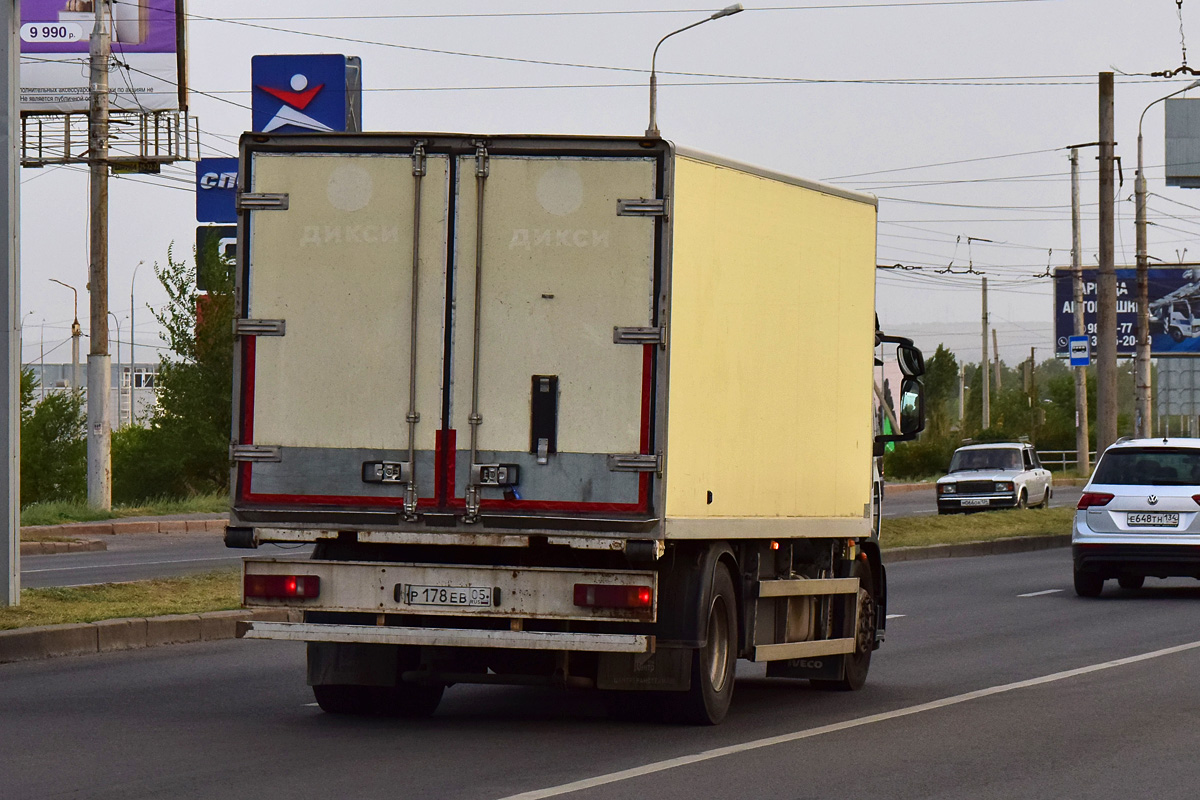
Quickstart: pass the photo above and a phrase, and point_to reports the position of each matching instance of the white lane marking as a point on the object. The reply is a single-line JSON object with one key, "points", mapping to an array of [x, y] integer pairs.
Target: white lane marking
{"points": [[1039, 594], [312, 705], [894, 616], [771, 741], [132, 564]]}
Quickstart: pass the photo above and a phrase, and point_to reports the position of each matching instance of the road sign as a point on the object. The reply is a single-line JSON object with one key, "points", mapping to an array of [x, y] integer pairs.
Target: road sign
{"points": [[216, 190], [1080, 350]]}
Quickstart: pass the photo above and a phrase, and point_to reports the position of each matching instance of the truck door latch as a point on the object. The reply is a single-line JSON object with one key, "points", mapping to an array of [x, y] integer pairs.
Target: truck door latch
{"points": [[386, 472]]}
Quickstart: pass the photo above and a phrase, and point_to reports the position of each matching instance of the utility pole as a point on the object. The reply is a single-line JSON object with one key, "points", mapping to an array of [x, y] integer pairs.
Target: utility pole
{"points": [[1083, 461], [1106, 285], [10, 310], [962, 395], [996, 357], [983, 366], [99, 434]]}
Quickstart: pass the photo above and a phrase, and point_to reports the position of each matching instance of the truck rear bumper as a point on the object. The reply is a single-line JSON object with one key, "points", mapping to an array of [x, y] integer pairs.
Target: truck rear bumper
{"points": [[450, 637]]}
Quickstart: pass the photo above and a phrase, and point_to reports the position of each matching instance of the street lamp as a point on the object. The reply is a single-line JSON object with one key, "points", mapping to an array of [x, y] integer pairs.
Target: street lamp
{"points": [[652, 130], [76, 334], [1142, 356]]}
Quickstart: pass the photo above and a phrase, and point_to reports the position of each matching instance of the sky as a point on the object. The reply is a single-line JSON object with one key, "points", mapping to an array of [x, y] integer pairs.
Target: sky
{"points": [[955, 113]]}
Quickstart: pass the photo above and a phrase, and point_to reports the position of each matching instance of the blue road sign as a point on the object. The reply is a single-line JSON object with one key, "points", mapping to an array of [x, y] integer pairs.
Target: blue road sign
{"points": [[216, 190], [1080, 350]]}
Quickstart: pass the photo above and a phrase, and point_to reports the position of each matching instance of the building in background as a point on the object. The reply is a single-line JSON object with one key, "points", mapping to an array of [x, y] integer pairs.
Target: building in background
{"points": [[138, 382]]}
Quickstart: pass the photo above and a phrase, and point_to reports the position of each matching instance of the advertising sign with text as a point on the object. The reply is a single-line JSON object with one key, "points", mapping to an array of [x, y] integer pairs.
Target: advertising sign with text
{"points": [[1174, 310], [145, 70]]}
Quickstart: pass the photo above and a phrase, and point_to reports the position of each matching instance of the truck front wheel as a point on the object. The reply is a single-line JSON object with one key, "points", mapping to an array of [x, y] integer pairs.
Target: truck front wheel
{"points": [[714, 665]]}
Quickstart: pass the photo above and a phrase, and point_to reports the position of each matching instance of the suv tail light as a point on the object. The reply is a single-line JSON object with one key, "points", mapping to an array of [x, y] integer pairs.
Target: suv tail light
{"points": [[592, 595], [1089, 499], [278, 587]]}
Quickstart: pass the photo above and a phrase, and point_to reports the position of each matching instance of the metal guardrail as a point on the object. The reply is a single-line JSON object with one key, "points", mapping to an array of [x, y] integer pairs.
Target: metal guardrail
{"points": [[1061, 459]]}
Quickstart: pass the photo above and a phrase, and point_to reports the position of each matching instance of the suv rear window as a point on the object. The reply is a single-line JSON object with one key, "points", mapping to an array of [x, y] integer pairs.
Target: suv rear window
{"points": [[986, 458], [1158, 466]]}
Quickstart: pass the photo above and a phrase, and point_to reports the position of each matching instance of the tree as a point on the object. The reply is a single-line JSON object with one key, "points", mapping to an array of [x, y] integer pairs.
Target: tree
{"points": [[941, 391], [185, 448], [53, 445]]}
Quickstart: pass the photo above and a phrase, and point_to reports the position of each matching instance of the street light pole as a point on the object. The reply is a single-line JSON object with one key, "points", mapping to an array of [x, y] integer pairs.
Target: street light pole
{"points": [[652, 129], [1143, 390], [132, 360], [117, 322], [76, 335]]}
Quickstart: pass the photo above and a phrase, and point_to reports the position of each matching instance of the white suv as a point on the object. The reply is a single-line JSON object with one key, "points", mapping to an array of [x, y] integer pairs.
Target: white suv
{"points": [[1139, 515]]}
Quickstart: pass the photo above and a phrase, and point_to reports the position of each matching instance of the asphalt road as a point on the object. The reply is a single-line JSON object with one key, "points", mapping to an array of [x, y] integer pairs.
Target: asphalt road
{"points": [[995, 682], [139, 556], [920, 502]]}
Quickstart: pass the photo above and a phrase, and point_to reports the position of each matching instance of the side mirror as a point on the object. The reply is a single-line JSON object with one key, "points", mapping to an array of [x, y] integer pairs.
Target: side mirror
{"points": [[912, 406], [912, 363]]}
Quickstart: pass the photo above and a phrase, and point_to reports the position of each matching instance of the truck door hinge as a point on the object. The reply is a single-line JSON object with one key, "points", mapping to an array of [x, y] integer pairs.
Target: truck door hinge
{"points": [[640, 336], [636, 462], [262, 201], [482, 167], [255, 452], [642, 207], [418, 159], [259, 327]]}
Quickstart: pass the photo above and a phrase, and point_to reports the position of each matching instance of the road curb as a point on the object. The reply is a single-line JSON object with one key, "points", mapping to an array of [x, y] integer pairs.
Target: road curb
{"points": [[43, 548], [110, 635], [115, 527], [1015, 544]]}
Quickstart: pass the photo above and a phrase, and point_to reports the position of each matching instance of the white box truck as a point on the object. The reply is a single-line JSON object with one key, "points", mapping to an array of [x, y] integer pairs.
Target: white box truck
{"points": [[577, 411]]}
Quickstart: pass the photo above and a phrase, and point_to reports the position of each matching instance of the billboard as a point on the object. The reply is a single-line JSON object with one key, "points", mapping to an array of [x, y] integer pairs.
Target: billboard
{"points": [[1174, 310], [306, 93], [147, 72]]}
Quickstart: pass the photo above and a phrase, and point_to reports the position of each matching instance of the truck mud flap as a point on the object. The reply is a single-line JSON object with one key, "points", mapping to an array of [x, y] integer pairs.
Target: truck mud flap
{"points": [[823, 668]]}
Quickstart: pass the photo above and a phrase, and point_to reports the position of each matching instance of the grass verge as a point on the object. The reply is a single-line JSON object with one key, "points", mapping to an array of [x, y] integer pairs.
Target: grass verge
{"points": [[980, 527], [193, 594], [59, 512]]}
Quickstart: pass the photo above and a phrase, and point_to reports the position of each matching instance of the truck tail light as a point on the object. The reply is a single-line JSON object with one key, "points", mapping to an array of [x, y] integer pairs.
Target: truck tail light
{"points": [[592, 595], [1089, 499], [277, 587]]}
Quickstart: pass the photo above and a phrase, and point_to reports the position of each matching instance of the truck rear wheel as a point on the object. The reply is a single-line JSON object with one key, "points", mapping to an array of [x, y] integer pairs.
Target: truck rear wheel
{"points": [[347, 699], [408, 700], [858, 663], [714, 665]]}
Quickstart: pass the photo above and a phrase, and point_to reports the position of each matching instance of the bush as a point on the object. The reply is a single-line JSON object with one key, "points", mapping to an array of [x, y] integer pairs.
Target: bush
{"points": [[927, 456]]}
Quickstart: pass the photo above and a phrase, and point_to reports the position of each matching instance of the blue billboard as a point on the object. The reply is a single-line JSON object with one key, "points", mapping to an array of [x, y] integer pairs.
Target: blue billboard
{"points": [[1174, 310], [303, 93]]}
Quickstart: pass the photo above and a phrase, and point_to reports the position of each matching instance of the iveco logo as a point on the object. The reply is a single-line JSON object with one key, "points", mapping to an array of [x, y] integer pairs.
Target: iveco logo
{"points": [[1152, 499]]}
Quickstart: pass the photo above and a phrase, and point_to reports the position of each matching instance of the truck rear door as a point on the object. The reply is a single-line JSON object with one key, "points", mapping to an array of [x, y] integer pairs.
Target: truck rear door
{"points": [[519, 397]]}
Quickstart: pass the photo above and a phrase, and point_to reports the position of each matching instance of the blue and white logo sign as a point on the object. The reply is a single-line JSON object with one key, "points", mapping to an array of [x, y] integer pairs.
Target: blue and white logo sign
{"points": [[299, 94], [1080, 350], [216, 190]]}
